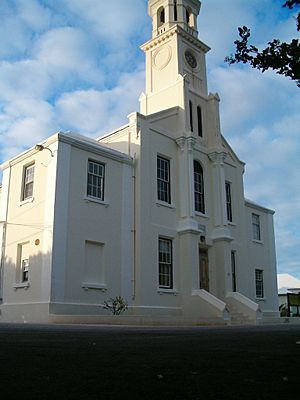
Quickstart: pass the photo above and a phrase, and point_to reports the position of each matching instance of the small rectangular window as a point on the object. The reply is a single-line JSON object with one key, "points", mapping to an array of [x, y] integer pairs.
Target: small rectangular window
{"points": [[165, 263], [22, 270], [191, 116], [256, 234], [25, 270], [163, 180], [228, 201], [259, 283], [95, 180], [199, 119], [94, 262], [28, 179]]}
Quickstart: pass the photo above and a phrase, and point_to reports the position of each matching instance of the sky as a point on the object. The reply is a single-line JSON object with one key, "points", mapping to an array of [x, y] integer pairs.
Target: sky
{"points": [[76, 65]]}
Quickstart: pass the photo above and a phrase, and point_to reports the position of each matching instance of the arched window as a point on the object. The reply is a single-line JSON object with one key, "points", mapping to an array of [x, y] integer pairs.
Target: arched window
{"points": [[199, 119], [175, 11], [198, 188], [188, 16], [161, 17], [191, 116]]}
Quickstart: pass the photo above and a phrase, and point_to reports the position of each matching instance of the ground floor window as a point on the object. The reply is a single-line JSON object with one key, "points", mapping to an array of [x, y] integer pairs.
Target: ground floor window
{"points": [[259, 283], [165, 263]]}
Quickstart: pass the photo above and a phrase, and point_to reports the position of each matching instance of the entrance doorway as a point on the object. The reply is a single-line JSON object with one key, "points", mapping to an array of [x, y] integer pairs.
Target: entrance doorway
{"points": [[203, 269]]}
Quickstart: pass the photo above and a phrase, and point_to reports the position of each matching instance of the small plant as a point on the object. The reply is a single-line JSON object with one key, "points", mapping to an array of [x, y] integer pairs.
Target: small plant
{"points": [[116, 306]]}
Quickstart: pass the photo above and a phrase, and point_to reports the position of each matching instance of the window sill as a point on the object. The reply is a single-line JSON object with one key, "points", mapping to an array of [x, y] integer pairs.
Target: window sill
{"points": [[90, 285], [29, 200], [200, 214], [230, 223], [161, 291], [257, 241], [260, 299], [88, 199], [22, 285], [162, 203]]}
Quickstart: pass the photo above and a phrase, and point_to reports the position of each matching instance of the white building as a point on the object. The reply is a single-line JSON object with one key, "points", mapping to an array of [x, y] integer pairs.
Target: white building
{"points": [[153, 212]]}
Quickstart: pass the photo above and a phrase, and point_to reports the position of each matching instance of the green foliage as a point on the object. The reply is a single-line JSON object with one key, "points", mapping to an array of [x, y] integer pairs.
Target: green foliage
{"points": [[284, 58], [116, 306]]}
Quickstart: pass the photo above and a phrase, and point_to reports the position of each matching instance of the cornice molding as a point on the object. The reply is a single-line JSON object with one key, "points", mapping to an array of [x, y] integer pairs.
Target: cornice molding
{"points": [[176, 29]]}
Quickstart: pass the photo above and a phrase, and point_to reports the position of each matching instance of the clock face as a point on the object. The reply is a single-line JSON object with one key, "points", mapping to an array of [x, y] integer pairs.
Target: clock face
{"points": [[191, 59]]}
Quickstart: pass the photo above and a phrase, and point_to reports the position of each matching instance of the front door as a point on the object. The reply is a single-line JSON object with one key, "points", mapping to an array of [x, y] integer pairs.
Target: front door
{"points": [[203, 269]]}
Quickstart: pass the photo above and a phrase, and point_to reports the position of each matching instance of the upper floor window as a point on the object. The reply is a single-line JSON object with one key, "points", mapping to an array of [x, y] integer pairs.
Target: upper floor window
{"points": [[161, 16], [191, 116], [28, 179], [188, 16], [163, 180], [256, 234], [165, 272], [199, 120], [95, 180], [259, 283], [175, 11], [198, 188], [228, 201]]}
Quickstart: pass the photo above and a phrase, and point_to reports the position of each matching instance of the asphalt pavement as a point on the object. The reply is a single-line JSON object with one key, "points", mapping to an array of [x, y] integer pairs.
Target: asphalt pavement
{"points": [[41, 362]]}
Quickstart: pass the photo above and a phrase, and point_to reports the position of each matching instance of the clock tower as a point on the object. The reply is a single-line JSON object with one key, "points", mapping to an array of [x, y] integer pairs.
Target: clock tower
{"points": [[175, 59]]}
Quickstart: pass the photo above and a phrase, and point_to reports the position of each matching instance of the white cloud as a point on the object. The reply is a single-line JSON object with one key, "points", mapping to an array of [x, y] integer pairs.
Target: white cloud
{"points": [[115, 21], [97, 112]]}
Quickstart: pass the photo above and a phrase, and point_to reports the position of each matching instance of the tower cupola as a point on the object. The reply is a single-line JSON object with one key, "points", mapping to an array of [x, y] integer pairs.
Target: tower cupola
{"points": [[167, 13]]}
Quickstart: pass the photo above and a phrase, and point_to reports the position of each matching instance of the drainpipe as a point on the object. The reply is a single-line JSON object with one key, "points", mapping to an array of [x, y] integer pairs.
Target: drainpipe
{"points": [[3, 247], [133, 231]]}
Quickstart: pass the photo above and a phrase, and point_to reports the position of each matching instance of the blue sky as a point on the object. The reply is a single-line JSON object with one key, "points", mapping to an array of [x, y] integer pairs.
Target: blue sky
{"points": [[76, 65]]}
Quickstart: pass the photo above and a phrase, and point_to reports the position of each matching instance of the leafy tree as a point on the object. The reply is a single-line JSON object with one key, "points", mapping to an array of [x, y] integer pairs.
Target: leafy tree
{"points": [[282, 57]]}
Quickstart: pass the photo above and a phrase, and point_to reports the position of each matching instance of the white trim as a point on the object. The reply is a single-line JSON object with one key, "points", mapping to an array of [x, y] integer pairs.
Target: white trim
{"points": [[165, 204], [91, 285], [22, 285], [91, 199], [28, 200]]}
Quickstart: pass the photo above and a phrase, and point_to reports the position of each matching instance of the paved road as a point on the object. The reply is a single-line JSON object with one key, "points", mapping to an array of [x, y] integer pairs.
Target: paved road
{"points": [[93, 362]]}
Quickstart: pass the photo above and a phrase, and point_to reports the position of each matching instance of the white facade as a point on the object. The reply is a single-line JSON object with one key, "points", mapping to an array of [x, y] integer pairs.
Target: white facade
{"points": [[154, 212]]}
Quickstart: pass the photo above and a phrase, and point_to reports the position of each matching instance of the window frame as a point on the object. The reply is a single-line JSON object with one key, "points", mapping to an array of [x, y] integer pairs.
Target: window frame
{"points": [[259, 283], [256, 227], [163, 195], [90, 186], [199, 193], [166, 264], [25, 183], [228, 201]]}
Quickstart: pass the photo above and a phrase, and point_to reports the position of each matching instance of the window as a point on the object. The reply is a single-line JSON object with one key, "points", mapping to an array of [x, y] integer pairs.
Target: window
{"points": [[160, 17], [228, 201], [95, 180], [256, 227], [94, 263], [163, 180], [233, 271], [22, 277], [28, 179], [165, 263], [199, 119], [175, 11], [259, 283], [191, 116], [198, 188], [25, 270]]}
